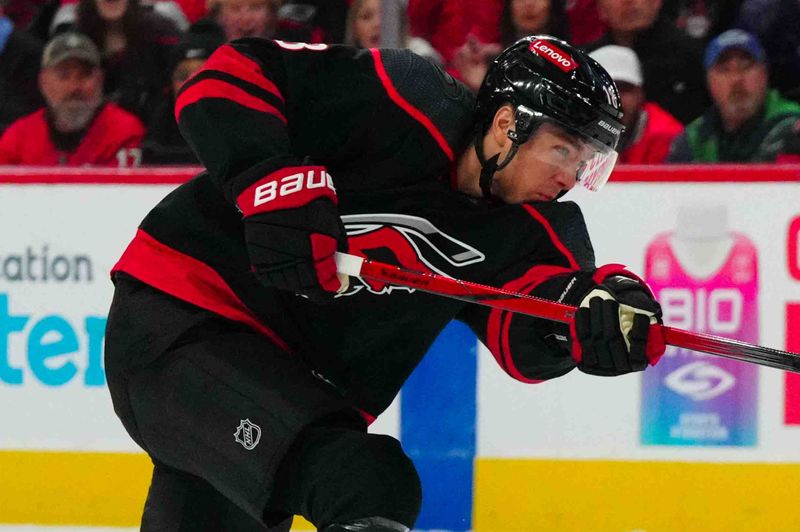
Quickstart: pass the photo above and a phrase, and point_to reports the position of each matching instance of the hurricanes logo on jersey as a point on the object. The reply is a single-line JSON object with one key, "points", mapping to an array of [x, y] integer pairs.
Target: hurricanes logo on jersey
{"points": [[410, 242]]}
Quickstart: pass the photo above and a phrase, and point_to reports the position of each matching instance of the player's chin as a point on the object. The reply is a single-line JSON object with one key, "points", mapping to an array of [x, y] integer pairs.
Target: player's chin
{"points": [[535, 197]]}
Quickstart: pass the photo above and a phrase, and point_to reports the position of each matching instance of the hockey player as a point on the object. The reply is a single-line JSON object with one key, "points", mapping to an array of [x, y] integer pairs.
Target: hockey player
{"points": [[249, 371]]}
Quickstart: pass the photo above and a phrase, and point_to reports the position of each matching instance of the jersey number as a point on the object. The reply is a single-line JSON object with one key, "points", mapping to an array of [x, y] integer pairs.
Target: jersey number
{"points": [[295, 46], [129, 157]]}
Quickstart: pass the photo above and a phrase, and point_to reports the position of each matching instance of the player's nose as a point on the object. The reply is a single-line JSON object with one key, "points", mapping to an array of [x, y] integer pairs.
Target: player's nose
{"points": [[565, 179]]}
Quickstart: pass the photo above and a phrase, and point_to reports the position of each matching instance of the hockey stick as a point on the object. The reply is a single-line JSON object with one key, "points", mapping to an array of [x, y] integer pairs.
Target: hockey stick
{"points": [[543, 308]]}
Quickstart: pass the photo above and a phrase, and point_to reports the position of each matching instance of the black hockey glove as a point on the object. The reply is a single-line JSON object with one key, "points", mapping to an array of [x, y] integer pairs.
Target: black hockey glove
{"points": [[292, 230], [611, 332]]}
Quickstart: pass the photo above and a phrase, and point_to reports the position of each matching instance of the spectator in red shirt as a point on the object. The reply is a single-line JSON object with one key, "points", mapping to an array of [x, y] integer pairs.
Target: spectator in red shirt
{"points": [[518, 19], [649, 129], [75, 128], [443, 23], [585, 24]]}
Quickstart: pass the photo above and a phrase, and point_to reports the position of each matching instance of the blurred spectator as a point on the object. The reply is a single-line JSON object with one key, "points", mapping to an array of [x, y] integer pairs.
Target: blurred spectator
{"points": [[443, 23], [748, 122], [75, 128], [777, 25], [672, 63], [363, 30], [649, 129], [472, 61], [701, 19], [163, 143], [19, 64], [65, 15], [42, 21], [248, 18], [529, 17], [790, 152], [194, 10], [172, 11], [259, 18], [325, 18], [134, 42], [22, 12], [482, 19], [582, 22], [518, 18], [585, 24], [363, 27]]}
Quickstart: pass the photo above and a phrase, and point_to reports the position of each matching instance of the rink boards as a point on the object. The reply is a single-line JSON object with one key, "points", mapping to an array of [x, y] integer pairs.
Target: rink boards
{"points": [[565, 455]]}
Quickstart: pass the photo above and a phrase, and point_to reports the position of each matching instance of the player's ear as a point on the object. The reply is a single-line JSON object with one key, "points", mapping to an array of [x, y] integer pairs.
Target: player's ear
{"points": [[502, 122]]}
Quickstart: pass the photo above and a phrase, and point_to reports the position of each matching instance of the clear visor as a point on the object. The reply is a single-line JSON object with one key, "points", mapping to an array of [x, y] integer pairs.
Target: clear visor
{"points": [[572, 155]]}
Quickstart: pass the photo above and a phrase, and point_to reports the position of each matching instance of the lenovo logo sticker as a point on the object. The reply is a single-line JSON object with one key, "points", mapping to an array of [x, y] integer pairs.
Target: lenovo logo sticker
{"points": [[553, 54]]}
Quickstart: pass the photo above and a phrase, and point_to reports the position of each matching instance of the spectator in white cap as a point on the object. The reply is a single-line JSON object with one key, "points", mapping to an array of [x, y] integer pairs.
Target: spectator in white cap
{"points": [[649, 129], [748, 121]]}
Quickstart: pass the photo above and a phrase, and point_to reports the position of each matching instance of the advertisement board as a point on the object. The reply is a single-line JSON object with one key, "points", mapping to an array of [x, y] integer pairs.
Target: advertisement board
{"points": [[519, 457]]}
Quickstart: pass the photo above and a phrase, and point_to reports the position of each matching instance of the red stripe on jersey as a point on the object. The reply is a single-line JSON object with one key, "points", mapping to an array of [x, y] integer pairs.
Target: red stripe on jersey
{"points": [[369, 418], [214, 88], [188, 279], [415, 113], [226, 59], [287, 188], [499, 322], [553, 236]]}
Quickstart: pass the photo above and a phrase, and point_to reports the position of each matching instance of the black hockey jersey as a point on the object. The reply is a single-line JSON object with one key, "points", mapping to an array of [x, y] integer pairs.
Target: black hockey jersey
{"points": [[388, 126]]}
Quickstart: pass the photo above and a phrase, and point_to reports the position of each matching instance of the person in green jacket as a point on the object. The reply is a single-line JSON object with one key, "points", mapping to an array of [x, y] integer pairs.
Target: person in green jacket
{"points": [[748, 122]]}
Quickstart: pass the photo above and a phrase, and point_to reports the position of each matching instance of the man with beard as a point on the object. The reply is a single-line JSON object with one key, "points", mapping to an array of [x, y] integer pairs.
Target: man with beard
{"points": [[748, 122], [75, 128]]}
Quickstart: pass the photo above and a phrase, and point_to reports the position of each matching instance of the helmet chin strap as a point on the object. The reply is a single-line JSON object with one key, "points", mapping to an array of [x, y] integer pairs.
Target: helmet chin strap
{"points": [[526, 124], [490, 166]]}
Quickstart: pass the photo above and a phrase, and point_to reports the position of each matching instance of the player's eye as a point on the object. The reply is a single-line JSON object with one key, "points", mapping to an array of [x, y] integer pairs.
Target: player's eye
{"points": [[563, 151]]}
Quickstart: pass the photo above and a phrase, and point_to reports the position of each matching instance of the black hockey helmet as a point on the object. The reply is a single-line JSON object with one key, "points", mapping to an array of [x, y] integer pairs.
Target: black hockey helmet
{"points": [[548, 80]]}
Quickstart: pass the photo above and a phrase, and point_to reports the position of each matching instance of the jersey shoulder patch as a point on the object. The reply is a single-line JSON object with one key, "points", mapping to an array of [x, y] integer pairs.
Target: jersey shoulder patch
{"points": [[442, 99]]}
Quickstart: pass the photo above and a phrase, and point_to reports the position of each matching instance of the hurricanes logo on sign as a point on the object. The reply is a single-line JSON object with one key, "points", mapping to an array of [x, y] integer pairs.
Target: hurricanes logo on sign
{"points": [[248, 434]]}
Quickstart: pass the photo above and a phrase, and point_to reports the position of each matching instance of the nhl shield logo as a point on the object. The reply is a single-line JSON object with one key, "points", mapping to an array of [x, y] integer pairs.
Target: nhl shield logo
{"points": [[248, 434]]}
